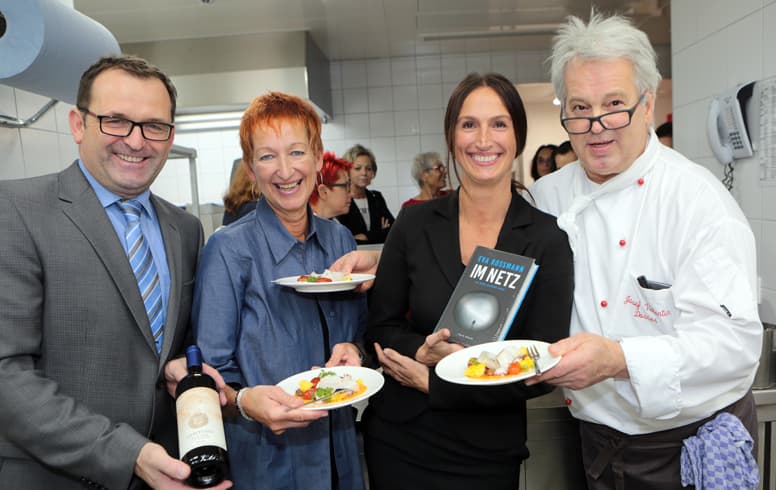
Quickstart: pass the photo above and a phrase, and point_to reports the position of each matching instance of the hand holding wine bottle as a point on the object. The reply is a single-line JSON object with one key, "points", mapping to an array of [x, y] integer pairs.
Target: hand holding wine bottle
{"points": [[201, 438], [176, 370], [161, 471]]}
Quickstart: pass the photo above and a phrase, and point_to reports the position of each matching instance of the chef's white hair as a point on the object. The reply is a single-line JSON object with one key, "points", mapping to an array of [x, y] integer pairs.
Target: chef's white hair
{"points": [[603, 38]]}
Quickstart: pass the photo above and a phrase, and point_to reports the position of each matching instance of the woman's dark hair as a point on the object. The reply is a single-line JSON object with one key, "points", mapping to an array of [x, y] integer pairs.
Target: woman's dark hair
{"points": [[508, 95], [565, 147], [535, 160], [665, 129]]}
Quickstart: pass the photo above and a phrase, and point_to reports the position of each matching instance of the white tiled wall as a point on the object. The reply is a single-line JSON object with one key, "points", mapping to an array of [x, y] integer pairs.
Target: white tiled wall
{"points": [[717, 44], [44, 147], [394, 106]]}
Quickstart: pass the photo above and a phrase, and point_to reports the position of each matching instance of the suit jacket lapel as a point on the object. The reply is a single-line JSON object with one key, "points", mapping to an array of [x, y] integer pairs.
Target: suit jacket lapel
{"points": [[81, 206], [442, 234], [172, 247]]}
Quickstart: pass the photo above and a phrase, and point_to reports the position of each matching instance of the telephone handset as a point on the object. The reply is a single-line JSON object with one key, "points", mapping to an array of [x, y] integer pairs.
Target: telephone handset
{"points": [[727, 128]]}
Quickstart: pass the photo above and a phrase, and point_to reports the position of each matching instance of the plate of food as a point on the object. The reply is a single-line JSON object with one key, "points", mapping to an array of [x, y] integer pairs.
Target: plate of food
{"points": [[334, 387], [325, 282], [495, 363]]}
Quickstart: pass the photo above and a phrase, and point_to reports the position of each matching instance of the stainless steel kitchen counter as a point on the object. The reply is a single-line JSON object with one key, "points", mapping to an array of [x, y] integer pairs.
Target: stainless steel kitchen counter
{"points": [[765, 397], [553, 440], [555, 399]]}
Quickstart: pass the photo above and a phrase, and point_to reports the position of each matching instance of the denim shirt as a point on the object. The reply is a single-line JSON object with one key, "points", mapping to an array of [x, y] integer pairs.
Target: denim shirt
{"points": [[259, 333]]}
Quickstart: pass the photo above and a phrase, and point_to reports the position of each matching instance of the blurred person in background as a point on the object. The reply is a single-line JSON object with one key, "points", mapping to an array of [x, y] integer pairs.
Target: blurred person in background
{"points": [[564, 154], [431, 175], [241, 197], [543, 161], [369, 218], [665, 133], [331, 197]]}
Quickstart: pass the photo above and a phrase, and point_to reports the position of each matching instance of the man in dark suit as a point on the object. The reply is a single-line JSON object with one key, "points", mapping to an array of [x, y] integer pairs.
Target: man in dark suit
{"points": [[85, 364]]}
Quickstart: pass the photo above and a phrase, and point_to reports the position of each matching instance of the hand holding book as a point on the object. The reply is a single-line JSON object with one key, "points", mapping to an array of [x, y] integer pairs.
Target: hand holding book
{"points": [[487, 297]]}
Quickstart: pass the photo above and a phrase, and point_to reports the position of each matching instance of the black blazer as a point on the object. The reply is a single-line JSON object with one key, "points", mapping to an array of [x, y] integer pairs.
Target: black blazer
{"points": [[378, 210], [419, 268], [241, 211]]}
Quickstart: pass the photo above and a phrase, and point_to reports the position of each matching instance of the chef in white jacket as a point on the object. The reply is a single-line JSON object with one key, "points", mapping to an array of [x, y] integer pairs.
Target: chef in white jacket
{"points": [[665, 327]]}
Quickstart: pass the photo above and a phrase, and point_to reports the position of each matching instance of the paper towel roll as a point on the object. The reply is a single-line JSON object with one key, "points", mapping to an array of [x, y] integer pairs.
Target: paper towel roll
{"points": [[47, 46]]}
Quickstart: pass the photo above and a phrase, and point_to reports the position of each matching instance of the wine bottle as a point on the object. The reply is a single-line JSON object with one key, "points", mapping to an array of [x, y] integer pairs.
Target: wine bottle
{"points": [[201, 439]]}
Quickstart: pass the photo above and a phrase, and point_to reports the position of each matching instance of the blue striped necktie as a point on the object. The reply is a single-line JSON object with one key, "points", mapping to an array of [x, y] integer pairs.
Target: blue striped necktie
{"points": [[142, 262]]}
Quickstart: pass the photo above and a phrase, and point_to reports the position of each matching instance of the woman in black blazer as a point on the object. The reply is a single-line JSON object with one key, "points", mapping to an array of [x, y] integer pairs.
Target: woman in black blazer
{"points": [[420, 431], [380, 219]]}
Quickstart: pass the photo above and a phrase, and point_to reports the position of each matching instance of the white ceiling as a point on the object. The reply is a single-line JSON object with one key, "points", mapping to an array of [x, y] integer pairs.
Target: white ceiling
{"points": [[356, 29]]}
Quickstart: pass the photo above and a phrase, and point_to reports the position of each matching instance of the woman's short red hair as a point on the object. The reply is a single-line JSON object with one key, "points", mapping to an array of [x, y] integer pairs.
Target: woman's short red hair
{"points": [[329, 173], [269, 111]]}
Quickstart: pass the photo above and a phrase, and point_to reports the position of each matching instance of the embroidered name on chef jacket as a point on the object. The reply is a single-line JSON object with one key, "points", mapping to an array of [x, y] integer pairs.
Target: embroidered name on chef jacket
{"points": [[645, 310]]}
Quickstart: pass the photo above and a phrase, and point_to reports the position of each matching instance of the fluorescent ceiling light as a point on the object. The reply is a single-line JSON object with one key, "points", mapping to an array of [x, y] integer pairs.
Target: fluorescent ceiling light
{"points": [[208, 121], [211, 116], [205, 126], [200, 119], [495, 31]]}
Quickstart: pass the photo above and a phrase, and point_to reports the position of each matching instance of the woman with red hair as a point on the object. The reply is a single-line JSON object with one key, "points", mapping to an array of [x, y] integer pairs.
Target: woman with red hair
{"points": [[331, 197], [257, 333]]}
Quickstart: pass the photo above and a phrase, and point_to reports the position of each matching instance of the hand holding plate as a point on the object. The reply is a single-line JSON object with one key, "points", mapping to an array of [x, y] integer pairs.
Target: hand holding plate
{"points": [[276, 409], [358, 261], [587, 359]]}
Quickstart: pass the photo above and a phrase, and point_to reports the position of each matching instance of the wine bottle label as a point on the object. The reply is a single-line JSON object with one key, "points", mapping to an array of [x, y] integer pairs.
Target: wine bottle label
{"points": [[199, 420]]}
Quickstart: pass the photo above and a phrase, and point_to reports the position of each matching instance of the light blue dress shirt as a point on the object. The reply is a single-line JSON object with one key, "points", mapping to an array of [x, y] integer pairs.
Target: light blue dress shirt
{"points": [[149, 224], [259, 333]]}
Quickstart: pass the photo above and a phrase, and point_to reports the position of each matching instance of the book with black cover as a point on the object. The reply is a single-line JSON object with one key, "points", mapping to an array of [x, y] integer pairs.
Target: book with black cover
{"points": [[487, 297]]}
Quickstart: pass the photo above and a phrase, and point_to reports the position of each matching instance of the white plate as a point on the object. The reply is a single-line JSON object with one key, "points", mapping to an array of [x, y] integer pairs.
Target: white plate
{"points": [[372, 379], [452, 367], [324, 287]]}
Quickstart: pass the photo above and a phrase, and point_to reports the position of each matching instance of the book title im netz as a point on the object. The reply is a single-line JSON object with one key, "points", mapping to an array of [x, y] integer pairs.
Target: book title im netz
{"points": [[497, 272]]}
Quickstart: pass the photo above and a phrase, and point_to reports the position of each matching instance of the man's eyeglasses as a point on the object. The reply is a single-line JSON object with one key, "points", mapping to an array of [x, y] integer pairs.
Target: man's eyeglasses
{"points": [[122, 127], [610, 120], [345, 185], [439, 168]]}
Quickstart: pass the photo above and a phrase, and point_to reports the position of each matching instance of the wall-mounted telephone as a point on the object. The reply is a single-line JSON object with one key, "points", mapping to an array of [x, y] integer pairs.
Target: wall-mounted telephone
{"points": [[727, 128]]}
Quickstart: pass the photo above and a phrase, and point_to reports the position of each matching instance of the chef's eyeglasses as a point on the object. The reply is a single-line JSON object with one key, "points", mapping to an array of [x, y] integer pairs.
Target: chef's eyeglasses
{"points": [[610, 120], [345, 185], [122, 127]]}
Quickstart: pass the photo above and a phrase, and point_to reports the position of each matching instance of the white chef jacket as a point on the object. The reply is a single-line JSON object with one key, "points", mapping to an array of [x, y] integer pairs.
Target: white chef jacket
{"points": [[691, 348]]}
